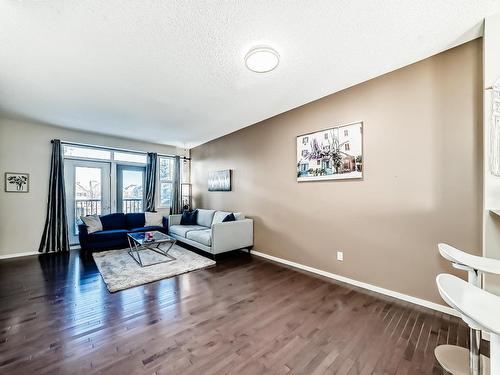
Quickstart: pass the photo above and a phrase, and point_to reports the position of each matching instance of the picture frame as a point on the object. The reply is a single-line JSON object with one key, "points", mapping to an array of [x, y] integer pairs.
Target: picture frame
{"points": [[219, 180], [17, 182], [334, 153]]}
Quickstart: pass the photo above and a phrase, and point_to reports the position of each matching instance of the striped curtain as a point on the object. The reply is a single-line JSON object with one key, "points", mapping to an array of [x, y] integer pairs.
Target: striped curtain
{"points": [[151, 181], [176, 187], [55, 232]]}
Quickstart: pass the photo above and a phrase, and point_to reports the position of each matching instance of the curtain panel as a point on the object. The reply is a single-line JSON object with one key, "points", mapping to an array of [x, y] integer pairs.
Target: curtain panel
{"points": [[55, 232], [176, 187], [152, 162]]}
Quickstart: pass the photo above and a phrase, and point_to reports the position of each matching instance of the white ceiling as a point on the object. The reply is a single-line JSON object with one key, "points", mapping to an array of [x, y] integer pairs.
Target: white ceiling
{"points": [[172, 71]]}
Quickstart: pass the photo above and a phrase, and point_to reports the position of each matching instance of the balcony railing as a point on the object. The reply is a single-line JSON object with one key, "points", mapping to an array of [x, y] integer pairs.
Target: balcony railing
{"points": [[131, 205], [87, 207]]}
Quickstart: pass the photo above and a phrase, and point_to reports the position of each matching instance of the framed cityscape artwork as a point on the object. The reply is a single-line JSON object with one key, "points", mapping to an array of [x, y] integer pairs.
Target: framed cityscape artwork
{"points": [[331, 154]]}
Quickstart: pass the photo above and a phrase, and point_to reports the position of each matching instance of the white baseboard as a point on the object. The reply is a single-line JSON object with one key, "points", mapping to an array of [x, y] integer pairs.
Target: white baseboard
{"points": [[373, 288], [16, 255]]}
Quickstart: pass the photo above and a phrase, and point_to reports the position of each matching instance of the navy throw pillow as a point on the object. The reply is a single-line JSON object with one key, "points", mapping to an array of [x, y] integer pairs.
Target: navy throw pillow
{"points": [[135, 220], [189, 218], [113, 221], [229, 217]]}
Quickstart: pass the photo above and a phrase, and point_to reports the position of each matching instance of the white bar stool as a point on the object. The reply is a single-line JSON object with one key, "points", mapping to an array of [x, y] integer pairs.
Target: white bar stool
{"points": [[478, 308], [454, 359]]}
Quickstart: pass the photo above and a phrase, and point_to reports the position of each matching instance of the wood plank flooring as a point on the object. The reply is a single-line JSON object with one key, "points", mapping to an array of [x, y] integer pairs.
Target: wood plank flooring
{"points": [[246, 315]]}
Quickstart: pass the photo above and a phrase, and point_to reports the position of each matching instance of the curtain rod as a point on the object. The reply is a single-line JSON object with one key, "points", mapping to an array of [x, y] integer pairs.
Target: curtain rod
{"points": [[117, 149]]}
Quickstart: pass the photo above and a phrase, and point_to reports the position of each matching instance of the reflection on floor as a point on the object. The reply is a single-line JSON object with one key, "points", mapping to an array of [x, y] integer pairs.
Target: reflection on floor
{"points": [[243, 316]]}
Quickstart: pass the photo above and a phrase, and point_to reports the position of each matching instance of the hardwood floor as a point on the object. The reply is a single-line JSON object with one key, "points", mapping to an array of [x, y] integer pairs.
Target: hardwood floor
{"points": [[246, 315]]}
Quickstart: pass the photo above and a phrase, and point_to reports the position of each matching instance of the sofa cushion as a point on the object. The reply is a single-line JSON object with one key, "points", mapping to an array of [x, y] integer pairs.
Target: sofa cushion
{"points": [[205, 217], [229, 218], [109, 235], [92, 222], [153, 219], [219, 216], [202, 236], [113, 221], [150, 228], [189, 217], [181, 230], [135, 220]]}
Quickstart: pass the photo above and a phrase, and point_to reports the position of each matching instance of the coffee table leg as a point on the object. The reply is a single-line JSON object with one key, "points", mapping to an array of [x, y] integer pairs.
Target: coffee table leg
{"points": [[160, 251], [131, 251]]}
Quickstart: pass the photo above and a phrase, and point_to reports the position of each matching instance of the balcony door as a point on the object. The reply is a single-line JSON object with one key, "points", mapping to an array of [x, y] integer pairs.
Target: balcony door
{"points": [[87, 191], [130, 182]]}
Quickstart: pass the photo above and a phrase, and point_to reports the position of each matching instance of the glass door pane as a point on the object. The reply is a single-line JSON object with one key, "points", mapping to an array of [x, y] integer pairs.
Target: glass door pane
{"points": [[130, 188], [87, 192], [88, 197]]}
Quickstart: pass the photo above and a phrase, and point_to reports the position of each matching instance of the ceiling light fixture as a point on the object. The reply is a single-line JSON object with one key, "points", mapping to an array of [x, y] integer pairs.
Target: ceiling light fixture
{"points": [[262, 59]]}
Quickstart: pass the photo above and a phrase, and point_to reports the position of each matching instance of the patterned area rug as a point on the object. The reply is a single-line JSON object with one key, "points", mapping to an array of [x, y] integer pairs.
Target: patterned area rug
{"points": [[120, 271]]}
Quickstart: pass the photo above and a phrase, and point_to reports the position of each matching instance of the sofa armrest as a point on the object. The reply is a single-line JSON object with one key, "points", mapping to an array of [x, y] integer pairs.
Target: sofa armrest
{"points": [[83, 236], [174, 220], [232, 235]]}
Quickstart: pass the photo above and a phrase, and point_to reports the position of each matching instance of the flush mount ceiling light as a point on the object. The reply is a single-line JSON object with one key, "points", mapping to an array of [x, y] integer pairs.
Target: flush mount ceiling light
{"points": [[262, 59]]}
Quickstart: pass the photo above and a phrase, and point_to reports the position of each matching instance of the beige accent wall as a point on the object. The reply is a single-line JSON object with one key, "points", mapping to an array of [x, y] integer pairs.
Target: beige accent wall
{"points": [[25, 147], [422, 181]]}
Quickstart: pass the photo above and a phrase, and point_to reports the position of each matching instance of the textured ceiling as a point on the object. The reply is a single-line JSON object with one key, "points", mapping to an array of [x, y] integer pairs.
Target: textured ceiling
{"points": [[172, 71]]}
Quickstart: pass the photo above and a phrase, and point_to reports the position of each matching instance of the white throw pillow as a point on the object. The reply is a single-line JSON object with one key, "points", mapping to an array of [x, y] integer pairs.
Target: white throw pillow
{"points": [[239, 216], [153, 219], [93, 223]]}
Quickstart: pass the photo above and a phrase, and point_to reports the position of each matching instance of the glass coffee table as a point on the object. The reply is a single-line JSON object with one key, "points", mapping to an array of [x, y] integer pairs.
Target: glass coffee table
{"points": [[137, 242]]}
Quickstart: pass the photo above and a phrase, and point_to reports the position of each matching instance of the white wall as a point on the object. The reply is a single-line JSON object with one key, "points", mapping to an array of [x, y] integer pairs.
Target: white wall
{"points": [[491, 221], [25, 147]]}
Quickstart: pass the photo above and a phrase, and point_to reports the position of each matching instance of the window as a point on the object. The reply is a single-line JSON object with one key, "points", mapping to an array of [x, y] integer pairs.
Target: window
{"points": [[166, 176], [166, 181], [186, 182], [347, 148], [318, 162], [86, 153], [346, 133], [130, 157]]}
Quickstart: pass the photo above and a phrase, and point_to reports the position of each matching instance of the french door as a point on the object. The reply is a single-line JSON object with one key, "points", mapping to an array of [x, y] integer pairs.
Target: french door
{"points": [[88, 191], [130, 188]]}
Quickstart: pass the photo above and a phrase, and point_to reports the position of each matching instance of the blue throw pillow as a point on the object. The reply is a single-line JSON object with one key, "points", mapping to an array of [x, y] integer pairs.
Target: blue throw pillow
{"points": [[229, 217], [113, 221], [135, 220], [189, 218]]}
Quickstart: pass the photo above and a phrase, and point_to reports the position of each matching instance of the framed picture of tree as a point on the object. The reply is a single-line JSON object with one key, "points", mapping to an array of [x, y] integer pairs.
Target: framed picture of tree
{"points": [[17, 182], [331, 154]]}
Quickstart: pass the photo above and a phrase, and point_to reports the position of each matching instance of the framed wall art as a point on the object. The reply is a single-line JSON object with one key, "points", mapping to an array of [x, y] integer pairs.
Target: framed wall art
{"points": [[331, 154], [17, 182], [219, 180]]}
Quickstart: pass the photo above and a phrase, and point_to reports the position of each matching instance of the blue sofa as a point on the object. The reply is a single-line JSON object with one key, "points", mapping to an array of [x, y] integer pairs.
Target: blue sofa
{"points": [[114, 231]]}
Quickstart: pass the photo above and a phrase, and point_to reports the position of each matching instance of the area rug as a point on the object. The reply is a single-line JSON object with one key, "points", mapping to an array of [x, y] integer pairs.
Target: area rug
{"points": [[119, 271]]}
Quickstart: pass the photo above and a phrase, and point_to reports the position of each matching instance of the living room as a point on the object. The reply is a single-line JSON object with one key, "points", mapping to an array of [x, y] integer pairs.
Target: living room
{"points": [[269, 187]]}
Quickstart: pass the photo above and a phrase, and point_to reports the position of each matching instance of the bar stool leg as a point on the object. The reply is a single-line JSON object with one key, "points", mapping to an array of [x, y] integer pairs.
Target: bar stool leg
{"points": [[474, 351], [460, 361], [474, 278]]}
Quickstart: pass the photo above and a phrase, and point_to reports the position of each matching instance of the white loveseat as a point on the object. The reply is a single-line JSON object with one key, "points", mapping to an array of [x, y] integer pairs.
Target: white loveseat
{"points": [[211, 234]]}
